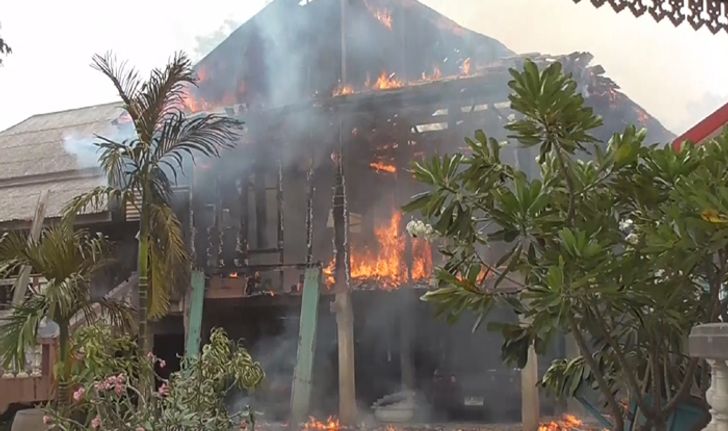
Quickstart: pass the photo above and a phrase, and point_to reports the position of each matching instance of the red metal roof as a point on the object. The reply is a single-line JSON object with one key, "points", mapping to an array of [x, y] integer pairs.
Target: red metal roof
{"points": [[705, 128]]}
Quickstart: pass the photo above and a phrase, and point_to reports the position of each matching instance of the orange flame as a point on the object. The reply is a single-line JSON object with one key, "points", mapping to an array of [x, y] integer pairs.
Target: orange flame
{"points": [[385, 17], [193, 102], [466, 67], [436, 74], [383, 167], [382, 15], [567, 423], [387, 265], [343, 90], [386, 82], [642, 117], [202, 75], [330, 424]]}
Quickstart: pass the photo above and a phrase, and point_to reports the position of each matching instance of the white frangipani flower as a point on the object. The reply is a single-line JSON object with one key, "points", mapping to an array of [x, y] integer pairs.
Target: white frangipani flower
{"points": [[419, 229], [626, 224], [632, 238]]}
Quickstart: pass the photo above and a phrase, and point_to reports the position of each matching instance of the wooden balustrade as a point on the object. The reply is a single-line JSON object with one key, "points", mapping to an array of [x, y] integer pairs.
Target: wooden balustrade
{"points": [[34, 382]]}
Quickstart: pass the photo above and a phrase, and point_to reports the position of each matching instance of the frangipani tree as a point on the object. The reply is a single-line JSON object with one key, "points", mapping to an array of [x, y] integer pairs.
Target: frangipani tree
{"points": [[142, 171], [626, 252]]}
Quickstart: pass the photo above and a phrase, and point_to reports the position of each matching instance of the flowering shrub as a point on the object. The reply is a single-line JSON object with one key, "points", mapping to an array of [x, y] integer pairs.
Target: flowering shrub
{"points": [[191, 399]]}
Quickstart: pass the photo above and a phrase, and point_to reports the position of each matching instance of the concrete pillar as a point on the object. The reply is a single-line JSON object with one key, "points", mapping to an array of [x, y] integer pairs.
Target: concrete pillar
{"points": [[530, 403], [710, 341], [345, 333], [303, 372], [192, 318]]}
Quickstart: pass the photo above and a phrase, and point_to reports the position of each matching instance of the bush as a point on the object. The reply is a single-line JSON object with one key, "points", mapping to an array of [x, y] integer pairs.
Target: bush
{"points": [[112, 391]]}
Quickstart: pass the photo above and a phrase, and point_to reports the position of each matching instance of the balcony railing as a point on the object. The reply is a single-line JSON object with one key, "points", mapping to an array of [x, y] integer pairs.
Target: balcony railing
{"points": [[32, 383]]}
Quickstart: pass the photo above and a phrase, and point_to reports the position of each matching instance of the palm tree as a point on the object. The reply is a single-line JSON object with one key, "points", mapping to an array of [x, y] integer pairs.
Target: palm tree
{"points": [[142, 170], [68, 260]]}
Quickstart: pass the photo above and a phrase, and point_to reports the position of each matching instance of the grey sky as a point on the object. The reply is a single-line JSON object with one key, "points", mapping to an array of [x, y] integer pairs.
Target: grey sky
{"points": [[671, 72]]}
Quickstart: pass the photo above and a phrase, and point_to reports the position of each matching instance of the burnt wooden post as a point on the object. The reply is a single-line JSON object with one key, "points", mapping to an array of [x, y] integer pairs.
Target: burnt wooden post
{"points": [[279, 236], [406, 329], [342, 304], [242, 245], [261, 209], [309, 213], [303, 372]]}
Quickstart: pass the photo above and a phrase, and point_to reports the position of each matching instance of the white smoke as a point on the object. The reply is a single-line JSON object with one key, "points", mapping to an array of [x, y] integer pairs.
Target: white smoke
{"points": [[83, 146]]}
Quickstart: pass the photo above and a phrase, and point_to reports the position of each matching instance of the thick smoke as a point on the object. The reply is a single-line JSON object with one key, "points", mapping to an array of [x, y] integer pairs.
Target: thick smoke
{"points": [[84, 147], [207, 42]]}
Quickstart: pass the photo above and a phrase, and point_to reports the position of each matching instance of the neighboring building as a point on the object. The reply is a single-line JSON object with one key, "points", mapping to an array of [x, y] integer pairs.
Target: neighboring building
{"points": [[35, 158], [707, 128]]}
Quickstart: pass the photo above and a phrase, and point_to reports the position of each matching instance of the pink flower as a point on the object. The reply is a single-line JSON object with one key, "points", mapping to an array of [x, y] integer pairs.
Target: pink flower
{"points": [[151, 356], [47, 420], [78, 394], [140, 429], [164, 390], [162, 363], [96, 422]]}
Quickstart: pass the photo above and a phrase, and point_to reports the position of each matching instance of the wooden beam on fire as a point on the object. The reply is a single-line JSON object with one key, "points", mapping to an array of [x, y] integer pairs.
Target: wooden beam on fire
{"points": [[489, 86]]}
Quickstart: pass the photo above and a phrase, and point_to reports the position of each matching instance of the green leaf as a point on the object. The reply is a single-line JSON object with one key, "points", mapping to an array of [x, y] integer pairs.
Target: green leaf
{"points": [[417, 202]]}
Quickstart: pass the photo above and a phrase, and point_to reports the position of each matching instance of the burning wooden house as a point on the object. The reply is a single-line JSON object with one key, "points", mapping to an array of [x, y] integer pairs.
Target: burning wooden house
{"points": [[334, 115], [339, 97]]}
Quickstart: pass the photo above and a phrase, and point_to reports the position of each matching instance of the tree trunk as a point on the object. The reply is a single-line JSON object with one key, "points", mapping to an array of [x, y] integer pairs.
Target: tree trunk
{"points": [[144, 340], [63, 398]]}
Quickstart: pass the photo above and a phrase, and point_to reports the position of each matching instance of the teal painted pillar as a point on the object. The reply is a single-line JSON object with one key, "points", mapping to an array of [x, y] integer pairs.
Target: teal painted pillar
{"points": [[302, 375], [194, 314]]}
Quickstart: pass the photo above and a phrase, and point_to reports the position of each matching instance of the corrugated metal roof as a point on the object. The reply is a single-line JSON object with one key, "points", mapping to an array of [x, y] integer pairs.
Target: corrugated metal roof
{"points": [[35, 158]]}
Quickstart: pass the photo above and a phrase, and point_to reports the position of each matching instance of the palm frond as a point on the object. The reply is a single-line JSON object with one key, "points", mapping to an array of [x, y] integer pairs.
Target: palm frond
{"points": [[19, 330], [161, 95], [63, 252], [168, 257], [117, 313], [160, 186], [117, 160], [12, 252], [94, 200], [125, 80], [205, 135], [67, 296]]}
